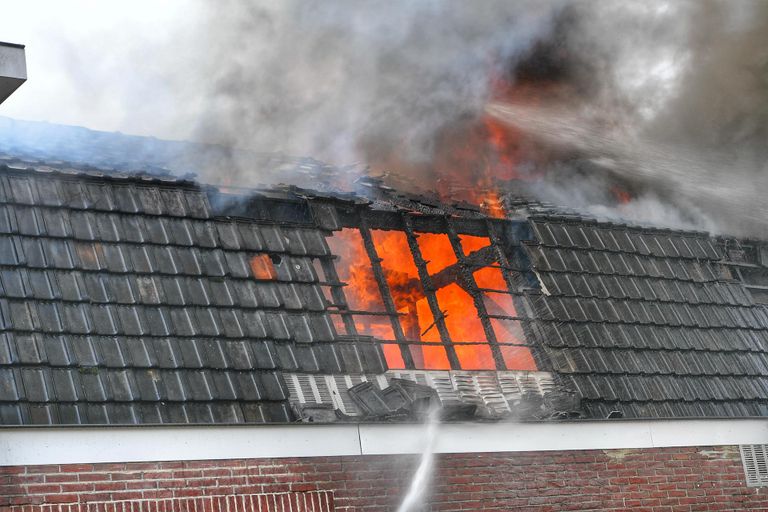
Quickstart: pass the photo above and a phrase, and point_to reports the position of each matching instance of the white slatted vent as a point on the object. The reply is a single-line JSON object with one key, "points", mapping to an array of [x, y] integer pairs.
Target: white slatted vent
{"points": [[754, 457], [494, 390]]}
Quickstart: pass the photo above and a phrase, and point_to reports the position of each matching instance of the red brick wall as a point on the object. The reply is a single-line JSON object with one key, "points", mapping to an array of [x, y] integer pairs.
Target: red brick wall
{"points": [[658, 480]]}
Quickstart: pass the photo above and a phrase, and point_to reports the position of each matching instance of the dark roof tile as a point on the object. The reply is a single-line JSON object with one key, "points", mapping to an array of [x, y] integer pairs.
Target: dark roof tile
{"points": [[247, 386], [173, 202], [9, 391], [36, 387], [228, 235], [286, 357], [237, 265], [20, 189], [101, 196], [66, 385], [149, 200], [212, 264], [232, 323], [140, 352], [197, 204], [48, 192], [8, 255], [264, 353], [273, 238], [255, 323], [179, 232], [250, 237], [172, 387], [273, 386]]}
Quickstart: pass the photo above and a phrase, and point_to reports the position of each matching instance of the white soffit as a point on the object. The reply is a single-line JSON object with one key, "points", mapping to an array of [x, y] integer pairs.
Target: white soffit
{"points": [[56, 445]]}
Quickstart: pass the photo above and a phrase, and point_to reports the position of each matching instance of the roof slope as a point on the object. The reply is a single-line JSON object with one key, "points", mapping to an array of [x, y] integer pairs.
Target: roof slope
{"points": [[648, 322], [133, 299], [124, 301]]}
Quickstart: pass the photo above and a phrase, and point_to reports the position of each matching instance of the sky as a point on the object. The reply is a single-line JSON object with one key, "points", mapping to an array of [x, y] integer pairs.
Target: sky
{"points": [[75, 49]]}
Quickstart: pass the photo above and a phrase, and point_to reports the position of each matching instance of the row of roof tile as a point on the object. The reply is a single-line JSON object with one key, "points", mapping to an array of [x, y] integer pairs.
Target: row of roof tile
{"points": [[166, 231], [567, 309], [647, 362], [144, 259], [669, 387], [596, 262], [652, 337], [103, 195], [601, 237], [111, 288], [46, 384], [678, 409], [108, 320], [187, 353], [647, 288], [128, 413]]}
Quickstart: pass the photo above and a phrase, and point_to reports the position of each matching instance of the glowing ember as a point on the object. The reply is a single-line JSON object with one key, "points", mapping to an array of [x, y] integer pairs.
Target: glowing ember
{"points": [[621, 195], [262, 267]]}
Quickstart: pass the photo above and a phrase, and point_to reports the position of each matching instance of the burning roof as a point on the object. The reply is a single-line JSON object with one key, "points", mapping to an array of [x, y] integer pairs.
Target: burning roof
{"points": [[136, 299]]}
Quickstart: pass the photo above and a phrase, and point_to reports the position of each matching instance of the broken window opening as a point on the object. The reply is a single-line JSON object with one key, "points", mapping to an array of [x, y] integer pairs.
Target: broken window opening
{"points": [[452, 324]]}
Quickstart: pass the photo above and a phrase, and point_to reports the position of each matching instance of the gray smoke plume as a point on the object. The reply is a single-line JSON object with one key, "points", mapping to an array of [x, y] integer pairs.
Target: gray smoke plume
{"points": [[671, 89], [679, 102], [348, 80]]}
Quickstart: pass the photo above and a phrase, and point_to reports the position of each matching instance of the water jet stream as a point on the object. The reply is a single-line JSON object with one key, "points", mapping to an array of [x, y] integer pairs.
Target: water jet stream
{"points": [[712, 179], [420, 483]]}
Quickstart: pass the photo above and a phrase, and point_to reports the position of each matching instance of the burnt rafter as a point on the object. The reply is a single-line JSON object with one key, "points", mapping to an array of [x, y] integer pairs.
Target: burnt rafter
{"points": [[453, 273]]}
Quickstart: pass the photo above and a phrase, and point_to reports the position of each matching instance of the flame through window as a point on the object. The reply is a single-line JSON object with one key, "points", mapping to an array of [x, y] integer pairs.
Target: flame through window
{"points": [[466, 319]]}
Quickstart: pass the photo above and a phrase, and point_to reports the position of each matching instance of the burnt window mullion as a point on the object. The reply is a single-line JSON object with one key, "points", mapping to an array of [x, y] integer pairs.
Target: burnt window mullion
{"points": [[429, 293], [337, 292], [504, 263], [530, 324], [386, 295], [469, 280]]}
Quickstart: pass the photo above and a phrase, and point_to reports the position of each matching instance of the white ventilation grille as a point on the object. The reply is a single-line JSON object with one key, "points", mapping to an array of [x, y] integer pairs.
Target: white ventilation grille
{"points": [[495, 390], [755, 460], [498, 391]]}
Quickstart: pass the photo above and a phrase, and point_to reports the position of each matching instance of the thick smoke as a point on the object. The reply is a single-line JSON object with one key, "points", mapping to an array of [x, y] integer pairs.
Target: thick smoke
{"points": [[672, 87], [348, 81], [667, 101], [675, 101]]}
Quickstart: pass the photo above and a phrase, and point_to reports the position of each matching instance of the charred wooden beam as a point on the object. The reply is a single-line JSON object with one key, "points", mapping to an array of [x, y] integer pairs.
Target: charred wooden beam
{"points": [[467, 277], [386, 295], [429, 291], [453, 273]]}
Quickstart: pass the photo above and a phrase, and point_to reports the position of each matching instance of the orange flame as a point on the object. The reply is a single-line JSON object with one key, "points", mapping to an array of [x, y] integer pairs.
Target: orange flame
{"points": [[621, 195], [415, 316]]}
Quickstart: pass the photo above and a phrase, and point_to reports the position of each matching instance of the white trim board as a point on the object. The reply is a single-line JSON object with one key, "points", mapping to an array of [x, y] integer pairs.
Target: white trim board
{"points": [[69, 445]]}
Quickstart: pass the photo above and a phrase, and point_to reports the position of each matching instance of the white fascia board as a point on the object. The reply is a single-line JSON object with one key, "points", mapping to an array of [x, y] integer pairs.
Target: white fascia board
{"points": [[69, 445], [592, 435], [140, 444], [13, 69]]}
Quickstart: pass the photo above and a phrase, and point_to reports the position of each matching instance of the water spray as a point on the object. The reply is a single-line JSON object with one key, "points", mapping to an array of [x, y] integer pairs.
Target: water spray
{"points": [[420, 483], [711, 179]]}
